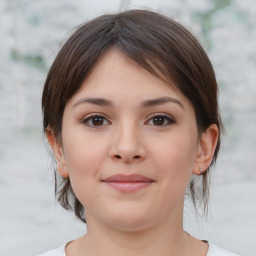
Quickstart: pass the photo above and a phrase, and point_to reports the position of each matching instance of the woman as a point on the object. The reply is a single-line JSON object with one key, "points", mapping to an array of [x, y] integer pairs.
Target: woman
{"points": [[131, 113]]}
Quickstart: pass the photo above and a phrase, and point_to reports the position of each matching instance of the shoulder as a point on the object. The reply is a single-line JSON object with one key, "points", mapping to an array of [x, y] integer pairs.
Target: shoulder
{"points": [[60, 251], [216, 251]]}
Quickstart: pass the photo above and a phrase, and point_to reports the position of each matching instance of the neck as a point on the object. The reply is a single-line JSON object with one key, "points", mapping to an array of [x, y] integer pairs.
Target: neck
{"points": [[163, 239]]}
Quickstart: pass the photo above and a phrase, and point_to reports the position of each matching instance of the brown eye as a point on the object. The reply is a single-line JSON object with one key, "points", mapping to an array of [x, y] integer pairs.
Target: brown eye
{"points": [[160, 120], [95, 120]]}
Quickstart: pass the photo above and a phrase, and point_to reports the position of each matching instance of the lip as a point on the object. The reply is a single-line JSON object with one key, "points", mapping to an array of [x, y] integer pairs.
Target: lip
{"points": [[128, 183]]}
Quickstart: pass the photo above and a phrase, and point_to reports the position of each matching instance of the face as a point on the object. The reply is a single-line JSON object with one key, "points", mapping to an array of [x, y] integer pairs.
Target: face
{"points": [[129, 146]]}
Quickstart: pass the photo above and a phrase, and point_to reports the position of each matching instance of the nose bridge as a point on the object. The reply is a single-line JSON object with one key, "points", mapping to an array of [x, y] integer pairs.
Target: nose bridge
{"points": [[127, 143]]}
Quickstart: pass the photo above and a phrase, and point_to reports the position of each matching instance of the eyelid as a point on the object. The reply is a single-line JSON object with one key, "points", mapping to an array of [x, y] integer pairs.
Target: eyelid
{"points": [[168, 116], [161, 114], [87, 117]]}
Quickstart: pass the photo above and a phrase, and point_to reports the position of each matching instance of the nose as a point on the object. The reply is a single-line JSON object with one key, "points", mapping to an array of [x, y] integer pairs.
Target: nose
{"points": [[127, 145]]}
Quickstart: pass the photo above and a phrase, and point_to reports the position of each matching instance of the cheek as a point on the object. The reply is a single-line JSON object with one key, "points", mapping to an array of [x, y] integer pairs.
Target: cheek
{"points": [[177, 151], [174, 161], [177, 162], [84, 160], [83, 152], [84, 157]]}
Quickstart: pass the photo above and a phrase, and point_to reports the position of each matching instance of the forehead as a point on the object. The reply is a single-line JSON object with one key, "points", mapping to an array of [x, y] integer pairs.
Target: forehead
{"points": [[123, 82], [115, 70]]}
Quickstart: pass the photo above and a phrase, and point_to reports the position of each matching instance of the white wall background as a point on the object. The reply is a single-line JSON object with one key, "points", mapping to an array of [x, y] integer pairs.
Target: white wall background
{"points": [[30, 36]]}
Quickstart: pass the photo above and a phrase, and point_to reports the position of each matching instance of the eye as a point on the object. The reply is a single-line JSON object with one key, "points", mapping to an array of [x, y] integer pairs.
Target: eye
{"points": [[160, 120], [95, 120]]}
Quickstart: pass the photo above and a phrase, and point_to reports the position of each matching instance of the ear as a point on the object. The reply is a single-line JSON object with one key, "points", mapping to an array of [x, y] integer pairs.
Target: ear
{"points": [[206, 148], [58, 153]]}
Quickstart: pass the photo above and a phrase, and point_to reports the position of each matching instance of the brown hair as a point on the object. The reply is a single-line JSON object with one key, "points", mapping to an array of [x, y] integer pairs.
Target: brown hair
{"points": [[161, 46]]}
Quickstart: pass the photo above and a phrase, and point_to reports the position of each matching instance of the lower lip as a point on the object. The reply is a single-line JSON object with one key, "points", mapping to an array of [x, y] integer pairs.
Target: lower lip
{"points": [[129, 186]]}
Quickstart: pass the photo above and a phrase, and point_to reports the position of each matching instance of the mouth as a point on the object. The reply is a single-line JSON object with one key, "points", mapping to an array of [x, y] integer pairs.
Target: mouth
{"points": [[128, 183]]}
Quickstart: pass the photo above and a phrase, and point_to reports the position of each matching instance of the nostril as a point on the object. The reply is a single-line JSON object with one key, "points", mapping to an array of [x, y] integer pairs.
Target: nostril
{"points": [[119, 157]]}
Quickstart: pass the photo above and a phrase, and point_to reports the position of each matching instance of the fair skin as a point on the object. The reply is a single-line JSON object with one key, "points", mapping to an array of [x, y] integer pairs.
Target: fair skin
{"points": [[126, 122]]}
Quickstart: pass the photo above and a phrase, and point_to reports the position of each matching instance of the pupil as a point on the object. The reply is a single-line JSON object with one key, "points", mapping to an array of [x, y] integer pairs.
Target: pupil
{"points": [[158, 120], [97, 121]]}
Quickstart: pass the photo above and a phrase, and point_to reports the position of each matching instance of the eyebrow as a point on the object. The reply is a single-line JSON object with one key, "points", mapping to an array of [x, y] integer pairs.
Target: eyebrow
{"points": [[160, 101], [96, 101], [144, 104]]}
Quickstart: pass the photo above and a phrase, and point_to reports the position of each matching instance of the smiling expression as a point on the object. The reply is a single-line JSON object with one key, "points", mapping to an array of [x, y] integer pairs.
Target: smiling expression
{"points": [[129, 145]]}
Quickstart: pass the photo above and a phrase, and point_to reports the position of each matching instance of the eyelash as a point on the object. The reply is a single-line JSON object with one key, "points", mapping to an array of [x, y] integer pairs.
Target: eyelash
{"points": [[167, 120], [90, 117], [166, 117]]}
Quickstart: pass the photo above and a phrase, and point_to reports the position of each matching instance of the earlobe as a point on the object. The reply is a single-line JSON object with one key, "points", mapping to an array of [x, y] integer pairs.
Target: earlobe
{"points": [[62, 170], [206, 149], [58, 153]]}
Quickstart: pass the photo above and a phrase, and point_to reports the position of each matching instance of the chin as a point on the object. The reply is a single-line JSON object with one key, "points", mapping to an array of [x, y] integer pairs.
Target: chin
{"points": [[130, 220], [131, 225]]}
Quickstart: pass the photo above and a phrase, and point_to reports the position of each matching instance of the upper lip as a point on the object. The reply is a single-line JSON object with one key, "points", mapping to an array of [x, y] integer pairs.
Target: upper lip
{"points": [[127, 178]]}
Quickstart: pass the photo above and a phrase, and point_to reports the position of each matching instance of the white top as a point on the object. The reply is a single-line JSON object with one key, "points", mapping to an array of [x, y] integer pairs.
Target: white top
{"points": [[212, 251]]}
